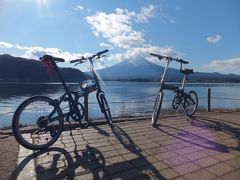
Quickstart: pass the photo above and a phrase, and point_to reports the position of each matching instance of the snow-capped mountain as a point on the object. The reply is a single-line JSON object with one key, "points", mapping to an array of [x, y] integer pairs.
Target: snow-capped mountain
{"points": [[144, 70], [134, 70]]}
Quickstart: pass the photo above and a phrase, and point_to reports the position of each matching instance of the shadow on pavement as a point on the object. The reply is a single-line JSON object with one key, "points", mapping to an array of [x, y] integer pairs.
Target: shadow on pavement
{"points": [[57, 163], [54, 154], [220, 125], [141, 161], [192, 138]]}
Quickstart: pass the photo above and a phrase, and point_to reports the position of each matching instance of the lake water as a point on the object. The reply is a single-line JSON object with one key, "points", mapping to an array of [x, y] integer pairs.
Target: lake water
{"points": [[123, 97]]}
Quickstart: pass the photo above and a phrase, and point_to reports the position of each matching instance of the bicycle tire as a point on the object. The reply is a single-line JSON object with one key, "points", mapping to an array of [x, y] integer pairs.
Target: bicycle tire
{"points": [[105, 108], [157, 108], [194, 100], [25, 132]]}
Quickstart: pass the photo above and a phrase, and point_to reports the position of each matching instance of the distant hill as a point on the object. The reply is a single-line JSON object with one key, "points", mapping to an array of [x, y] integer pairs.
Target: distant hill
{"points": [[143, 70], [27, 70], [16, 69]]}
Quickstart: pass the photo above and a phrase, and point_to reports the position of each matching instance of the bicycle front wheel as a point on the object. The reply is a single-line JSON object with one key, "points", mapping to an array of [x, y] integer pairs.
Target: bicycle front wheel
{"points": [[37, 123], [191, 103], [105, 108], [157, 108]]}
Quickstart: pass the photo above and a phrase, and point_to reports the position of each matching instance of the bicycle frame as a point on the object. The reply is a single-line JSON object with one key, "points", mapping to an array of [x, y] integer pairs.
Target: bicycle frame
{"points": [[96, 86], [176, 89], [182, 99], [70, 96], [42, 118], [73, 97], [99, 89], [95, 75]]}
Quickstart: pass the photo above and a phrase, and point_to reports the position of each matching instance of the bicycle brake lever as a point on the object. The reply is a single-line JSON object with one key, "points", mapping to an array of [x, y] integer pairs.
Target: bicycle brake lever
{"points": [[101, 56], [77, 64]]}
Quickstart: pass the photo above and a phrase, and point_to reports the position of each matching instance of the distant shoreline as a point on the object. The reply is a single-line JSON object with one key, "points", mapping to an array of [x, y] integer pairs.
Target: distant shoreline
{"points": [[71, 82]]}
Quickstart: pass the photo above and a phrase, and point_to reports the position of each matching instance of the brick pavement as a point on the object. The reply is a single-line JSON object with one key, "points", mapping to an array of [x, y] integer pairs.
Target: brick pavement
{"points": [[206, 148]]}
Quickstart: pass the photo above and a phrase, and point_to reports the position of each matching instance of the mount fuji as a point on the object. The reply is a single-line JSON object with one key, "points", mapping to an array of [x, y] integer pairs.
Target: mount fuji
{"points": [[144, 70], [141, 70]]}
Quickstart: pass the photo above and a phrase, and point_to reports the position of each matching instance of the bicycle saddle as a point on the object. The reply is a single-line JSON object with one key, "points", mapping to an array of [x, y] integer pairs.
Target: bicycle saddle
{"points": [[186, 71], [51, 58]]}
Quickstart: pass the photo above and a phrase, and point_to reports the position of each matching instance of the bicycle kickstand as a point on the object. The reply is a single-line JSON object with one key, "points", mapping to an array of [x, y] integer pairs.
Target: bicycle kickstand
{"points": [[83, 125], [70, 124]]}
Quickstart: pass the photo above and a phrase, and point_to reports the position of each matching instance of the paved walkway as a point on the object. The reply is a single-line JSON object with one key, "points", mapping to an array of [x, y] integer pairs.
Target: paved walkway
{"points": [[206, 148]]}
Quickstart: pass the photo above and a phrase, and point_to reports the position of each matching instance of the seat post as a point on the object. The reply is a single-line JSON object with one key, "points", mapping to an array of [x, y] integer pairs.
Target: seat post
{"points": [[183, 81], [60, 77]]}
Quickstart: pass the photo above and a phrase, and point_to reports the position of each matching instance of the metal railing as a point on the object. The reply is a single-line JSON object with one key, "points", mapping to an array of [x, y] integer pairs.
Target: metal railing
{"points": [[151, 98]]}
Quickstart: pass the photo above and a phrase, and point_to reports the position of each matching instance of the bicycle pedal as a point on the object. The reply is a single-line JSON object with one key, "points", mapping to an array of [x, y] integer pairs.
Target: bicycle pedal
{"points": [[84, 126]]}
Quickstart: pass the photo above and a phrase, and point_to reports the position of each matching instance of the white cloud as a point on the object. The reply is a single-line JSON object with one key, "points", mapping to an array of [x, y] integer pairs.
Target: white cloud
{"points": [[133, 54], [109, 46], [139, 53], [144, 52], [214, 39], [6, 45], [117, 27], [79, 8], [35, 52], [145, 14], [225, 66]]}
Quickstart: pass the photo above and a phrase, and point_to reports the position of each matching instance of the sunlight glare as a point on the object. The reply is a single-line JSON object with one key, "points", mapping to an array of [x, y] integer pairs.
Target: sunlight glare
{"points": [[42, 3], [99, 77]]}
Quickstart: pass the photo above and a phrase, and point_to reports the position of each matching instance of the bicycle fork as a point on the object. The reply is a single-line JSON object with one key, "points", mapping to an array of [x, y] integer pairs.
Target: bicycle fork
{"points": [[99, 93]]}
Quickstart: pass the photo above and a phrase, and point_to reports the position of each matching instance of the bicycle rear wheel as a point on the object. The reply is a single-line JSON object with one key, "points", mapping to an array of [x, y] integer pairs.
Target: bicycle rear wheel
{"points": [[105, 108], [191, 103], [37, 123], [157, 108]]}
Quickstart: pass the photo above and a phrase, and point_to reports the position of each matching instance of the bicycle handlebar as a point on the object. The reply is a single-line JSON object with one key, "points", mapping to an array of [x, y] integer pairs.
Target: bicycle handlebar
{"points": [[160, 57], [102, 52], [82, 59], [51, 58], [182, 61]]}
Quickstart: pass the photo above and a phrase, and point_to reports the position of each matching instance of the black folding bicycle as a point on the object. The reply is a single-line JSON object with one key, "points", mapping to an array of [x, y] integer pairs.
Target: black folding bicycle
{"points": [[38, 121], [188, 101]]}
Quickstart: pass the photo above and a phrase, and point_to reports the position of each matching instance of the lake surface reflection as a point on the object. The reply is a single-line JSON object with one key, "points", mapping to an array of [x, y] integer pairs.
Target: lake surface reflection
{"points": [[123, 97]]}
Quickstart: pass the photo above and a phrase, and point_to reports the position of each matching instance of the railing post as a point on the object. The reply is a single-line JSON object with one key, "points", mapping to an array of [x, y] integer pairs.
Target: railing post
{"points": [[86, 107], [209, 100]]}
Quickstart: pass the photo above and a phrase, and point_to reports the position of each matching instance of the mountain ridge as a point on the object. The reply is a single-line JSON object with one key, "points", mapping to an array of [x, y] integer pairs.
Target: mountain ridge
{"points": [[144, 70], [18, 69]]}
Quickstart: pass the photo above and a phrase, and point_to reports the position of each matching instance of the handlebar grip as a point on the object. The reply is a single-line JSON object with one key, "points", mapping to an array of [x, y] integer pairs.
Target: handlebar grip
{"points": [[158, 56], [59, 59], [73, 61], [102, 52], [51, 58], [182, 61]]}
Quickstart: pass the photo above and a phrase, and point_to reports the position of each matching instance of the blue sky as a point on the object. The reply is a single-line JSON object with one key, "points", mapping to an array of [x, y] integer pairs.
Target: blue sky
{"points": [[207, 33]]}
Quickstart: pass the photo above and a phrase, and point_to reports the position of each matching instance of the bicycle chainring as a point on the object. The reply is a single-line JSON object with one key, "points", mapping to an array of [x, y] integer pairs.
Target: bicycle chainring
{"points": [[77, 114], [176, 102]]}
